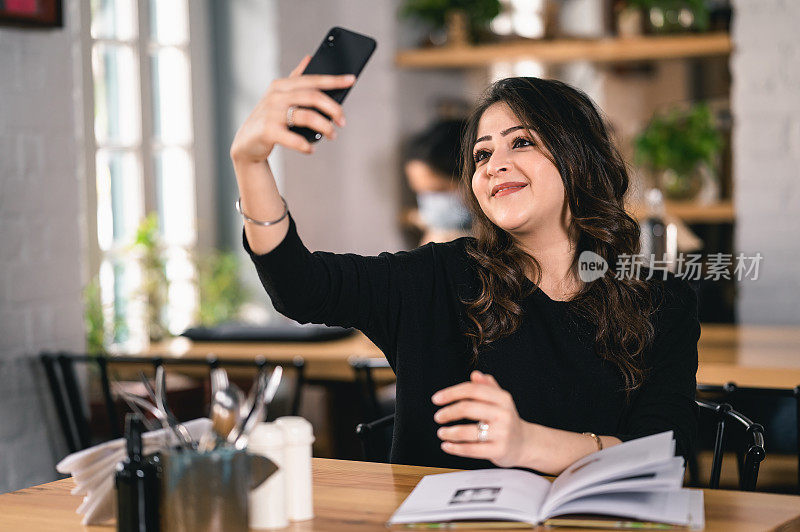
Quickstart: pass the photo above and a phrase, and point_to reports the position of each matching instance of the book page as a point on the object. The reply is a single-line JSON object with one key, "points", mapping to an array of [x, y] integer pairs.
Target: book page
{"points": [[668, 477], [508, 494], [683, 507], [625, 459]]}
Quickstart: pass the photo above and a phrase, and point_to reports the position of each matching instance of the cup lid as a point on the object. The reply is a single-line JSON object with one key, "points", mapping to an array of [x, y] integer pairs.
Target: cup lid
{"points": [[266, 435], [296, 429]]}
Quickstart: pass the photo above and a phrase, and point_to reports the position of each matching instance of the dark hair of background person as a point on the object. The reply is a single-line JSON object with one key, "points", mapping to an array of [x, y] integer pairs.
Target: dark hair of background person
{"points": [[595, 181], [438, 146]]}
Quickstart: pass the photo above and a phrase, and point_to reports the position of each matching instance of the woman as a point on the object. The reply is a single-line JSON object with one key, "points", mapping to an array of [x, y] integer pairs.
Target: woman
{"points": [[503, 355], [432, 169]]}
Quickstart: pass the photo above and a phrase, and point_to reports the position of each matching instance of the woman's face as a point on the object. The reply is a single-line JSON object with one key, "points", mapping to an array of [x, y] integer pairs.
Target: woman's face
{"points": [[517, 186]]}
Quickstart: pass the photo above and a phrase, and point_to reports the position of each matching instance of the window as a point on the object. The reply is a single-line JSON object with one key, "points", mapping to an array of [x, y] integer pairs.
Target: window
{"points": [[143, 157]]}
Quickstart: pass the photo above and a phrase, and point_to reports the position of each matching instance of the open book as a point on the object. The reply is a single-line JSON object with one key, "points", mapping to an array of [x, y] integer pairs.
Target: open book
{"points": [[639, 480]]}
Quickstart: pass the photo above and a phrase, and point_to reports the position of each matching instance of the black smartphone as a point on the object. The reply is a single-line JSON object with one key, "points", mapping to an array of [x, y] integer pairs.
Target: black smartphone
{"points": [[341, 52]]}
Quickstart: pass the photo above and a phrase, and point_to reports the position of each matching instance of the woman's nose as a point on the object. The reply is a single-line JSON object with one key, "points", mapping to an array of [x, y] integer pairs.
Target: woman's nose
{"points": [[497, 165]]}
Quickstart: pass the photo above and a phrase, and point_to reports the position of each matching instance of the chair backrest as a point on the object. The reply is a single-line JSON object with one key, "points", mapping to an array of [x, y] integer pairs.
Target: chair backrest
{"points": [[769, 398], [751, 454], [363, 368], [375, 438]]}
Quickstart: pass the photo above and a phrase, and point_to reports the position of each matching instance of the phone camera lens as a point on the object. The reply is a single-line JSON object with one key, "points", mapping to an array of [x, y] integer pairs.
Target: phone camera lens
{"points": [[330, 40]]}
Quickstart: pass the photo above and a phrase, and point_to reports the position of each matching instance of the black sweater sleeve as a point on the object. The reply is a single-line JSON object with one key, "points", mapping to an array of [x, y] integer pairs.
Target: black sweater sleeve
{"points": [[348, 290], [666, 400]]}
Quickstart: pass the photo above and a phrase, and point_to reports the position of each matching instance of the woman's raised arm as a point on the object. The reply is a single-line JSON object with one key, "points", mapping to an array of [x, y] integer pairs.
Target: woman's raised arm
{"points": [[267, 126]]}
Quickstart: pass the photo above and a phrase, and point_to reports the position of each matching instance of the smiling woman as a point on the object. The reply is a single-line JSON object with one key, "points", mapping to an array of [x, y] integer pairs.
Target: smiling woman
{"points": [[497, 331]]}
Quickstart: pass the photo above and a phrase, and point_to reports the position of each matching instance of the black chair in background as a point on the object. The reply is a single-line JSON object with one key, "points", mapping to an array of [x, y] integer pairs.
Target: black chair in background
{"points": [[63, 383], [375, 448], [363, 368], [375, 436], [750, 451], [767, 405]]}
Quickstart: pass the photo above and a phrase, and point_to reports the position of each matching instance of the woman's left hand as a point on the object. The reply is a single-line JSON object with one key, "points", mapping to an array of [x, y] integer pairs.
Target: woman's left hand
{"points": [[481, 399]]}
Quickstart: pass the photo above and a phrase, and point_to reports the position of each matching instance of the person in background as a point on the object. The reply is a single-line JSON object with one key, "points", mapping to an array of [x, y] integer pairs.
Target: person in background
{"points": [[432, 167], [506, 353]]}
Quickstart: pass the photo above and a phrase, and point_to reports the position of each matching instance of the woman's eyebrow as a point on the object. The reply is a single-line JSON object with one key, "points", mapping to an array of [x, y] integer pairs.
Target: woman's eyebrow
{"points": [[503, 133]]}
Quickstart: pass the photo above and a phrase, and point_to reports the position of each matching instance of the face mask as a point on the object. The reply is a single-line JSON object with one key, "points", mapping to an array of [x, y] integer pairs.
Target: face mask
{"points": [[443, 210]]}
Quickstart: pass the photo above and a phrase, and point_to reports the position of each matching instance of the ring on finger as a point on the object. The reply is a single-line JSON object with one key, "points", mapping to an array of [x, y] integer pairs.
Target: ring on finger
{"points": [[290, 115], [483, 431]]}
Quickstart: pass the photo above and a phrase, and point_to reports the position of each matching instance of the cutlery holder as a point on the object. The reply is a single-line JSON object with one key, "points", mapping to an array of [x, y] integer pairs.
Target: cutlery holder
{"points": [[208, 492]]}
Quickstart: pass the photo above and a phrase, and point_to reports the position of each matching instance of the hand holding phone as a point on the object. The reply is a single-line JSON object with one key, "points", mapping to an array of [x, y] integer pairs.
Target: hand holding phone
{"points": [[341, 52], [312, 99]]}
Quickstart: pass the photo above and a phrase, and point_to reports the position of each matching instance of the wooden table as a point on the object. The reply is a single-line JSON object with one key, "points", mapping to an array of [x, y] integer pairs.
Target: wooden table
{"points": [[359, 496], [325, 360], [748, 355]]}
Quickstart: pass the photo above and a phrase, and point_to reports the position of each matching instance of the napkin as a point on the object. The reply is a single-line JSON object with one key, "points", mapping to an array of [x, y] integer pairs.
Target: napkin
{"points": [[93, 468]]}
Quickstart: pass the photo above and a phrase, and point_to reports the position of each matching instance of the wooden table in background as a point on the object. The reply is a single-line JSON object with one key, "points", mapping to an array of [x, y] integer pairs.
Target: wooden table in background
{"points": [[325, 360], [748, 355], [359, 496]]}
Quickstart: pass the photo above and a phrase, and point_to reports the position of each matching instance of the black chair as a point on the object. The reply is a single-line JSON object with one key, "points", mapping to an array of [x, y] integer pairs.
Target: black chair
{"points": [[363, 368], [63, 383], [758, 402], [750, 454], [373, 437], [375, 447]]}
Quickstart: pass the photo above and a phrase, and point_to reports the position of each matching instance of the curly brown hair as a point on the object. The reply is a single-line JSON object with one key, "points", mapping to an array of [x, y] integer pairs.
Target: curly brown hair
{"points": [[595, 180]]}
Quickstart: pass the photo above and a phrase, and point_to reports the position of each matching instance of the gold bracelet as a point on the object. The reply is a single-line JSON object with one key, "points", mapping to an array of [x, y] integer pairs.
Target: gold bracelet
{"points": [[596, 438]]}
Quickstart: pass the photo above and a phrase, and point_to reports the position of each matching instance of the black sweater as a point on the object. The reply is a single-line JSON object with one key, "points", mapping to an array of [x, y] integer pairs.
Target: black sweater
{"points": [[408, 304]]}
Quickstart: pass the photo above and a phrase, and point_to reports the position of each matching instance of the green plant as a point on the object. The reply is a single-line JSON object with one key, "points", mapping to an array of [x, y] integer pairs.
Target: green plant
{"points": [[100, 334], [479, 12], [679, 140], [699, 9], [94, 321], [150, 251], [222, 293]]}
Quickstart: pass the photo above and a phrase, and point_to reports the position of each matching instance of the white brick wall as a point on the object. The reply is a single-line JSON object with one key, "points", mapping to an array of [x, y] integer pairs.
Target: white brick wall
{"points": [[40, 242], [766, 107]]}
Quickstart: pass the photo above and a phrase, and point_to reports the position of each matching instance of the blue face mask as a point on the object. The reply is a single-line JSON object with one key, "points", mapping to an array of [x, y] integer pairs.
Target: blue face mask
{"points": [[443, 210]]}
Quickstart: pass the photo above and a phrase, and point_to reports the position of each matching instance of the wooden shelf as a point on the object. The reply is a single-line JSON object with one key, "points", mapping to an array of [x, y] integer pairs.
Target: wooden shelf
{"points": [[562, 51], [692, 213]]}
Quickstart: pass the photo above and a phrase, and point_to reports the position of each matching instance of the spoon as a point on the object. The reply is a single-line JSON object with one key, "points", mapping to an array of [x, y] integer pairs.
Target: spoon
{"points": [[219, 408], [225, 407]]}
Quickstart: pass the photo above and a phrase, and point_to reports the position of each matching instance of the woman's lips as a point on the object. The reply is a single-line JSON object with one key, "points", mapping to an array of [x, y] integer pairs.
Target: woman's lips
{"points": [[509, 190]]}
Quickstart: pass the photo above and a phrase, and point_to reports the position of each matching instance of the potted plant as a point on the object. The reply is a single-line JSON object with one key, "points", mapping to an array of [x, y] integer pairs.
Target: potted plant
{"points": [[459, 21], [681, 148], [149, 250], [222, 292]]}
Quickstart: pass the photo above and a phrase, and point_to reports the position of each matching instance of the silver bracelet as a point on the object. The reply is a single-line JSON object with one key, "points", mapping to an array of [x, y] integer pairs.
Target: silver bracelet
{"points": [[259, 222]]}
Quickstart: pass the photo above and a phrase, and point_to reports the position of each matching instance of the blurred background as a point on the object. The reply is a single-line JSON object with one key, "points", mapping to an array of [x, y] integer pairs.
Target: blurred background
{"points": [[117, 192]]}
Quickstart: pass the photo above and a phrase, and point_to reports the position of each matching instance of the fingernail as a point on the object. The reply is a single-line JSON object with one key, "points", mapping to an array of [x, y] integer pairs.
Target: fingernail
{"points": [[350, 78], [439, 434], [436, 398], [445, 445], [342, 121], [437, 416]]}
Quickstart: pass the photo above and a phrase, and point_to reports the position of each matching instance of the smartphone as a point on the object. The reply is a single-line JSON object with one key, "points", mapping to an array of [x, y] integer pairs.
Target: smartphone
{"points": [[341, 52]]}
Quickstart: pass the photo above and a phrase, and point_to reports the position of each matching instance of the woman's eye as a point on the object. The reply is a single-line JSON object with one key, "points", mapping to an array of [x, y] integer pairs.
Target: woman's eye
{"points": [[521, 142], [480, 155]]}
